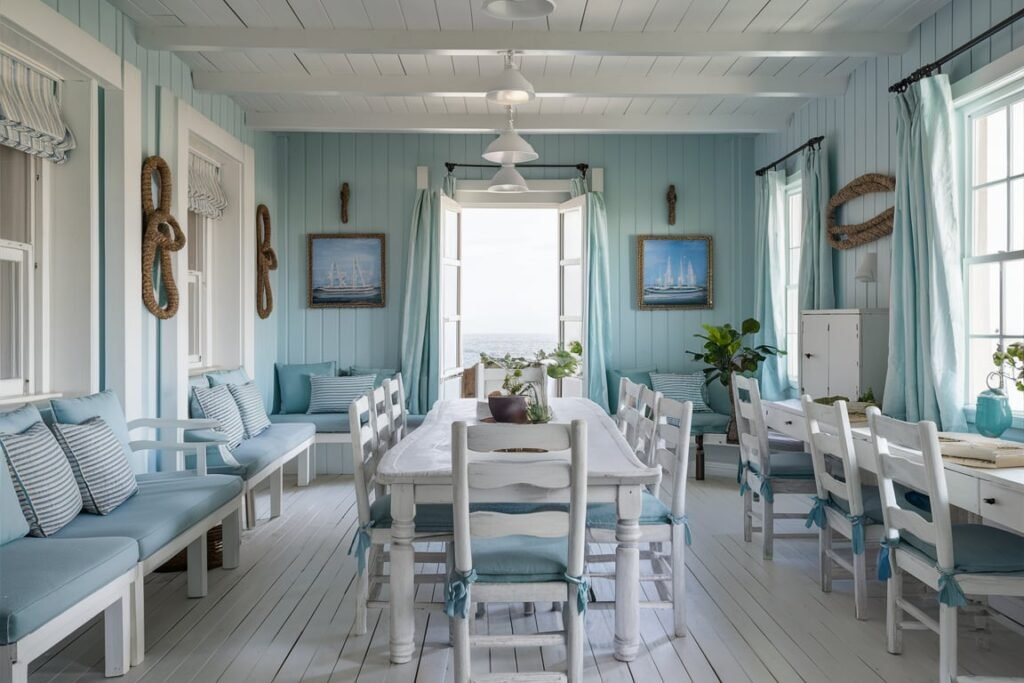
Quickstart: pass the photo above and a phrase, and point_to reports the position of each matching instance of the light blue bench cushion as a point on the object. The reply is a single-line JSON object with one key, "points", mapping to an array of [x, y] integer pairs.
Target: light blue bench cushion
{"points": [[708, 423], [702, 423], [519, 559], [256, 454], [167, 504], [790, 465], [293, 384], [105, 405], [977, 549], [13, 524], [324, 423], [604, 516], [42, 577]]}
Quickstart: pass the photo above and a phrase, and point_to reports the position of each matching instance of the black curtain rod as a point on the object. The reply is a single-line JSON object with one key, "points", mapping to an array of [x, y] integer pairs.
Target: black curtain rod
{"points": [[927, 70], [582, 168], [810, 143]]}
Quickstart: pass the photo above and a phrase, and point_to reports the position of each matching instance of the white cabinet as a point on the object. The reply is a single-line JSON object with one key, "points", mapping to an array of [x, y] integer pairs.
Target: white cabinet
{"points": [[843, 352]]}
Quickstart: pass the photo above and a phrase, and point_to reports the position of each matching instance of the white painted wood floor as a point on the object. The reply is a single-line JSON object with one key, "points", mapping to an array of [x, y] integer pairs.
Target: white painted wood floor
{"points": [[284, 615]]}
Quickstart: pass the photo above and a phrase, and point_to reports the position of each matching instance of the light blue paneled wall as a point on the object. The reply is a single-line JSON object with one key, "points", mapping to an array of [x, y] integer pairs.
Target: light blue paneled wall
{"points": [[860, 126], [711, 174]]}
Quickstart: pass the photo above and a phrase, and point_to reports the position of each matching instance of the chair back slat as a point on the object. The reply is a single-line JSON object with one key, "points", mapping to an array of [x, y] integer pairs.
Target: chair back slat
{"points": [[497, 474], [829, 434], [380, 418], [364, 454], [909, 454], [550, 524], [394, 389], [750, 423], [641, 422], [672, 450], [629, 397], [491, 379]]}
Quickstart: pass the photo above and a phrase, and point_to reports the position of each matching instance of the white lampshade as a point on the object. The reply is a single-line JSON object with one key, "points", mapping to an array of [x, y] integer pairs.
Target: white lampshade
{"points": [[519, 9], [867, 271], [507, 179], [509, 148], [511, 87]]}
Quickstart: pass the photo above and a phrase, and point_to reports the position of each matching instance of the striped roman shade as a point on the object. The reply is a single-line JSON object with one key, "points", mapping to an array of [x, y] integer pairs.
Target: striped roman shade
{"points": [[43, 479], [100, 464], [205, 193], [218, 404], [30, 118], [682, 388], [333, 394], [250, 405]]}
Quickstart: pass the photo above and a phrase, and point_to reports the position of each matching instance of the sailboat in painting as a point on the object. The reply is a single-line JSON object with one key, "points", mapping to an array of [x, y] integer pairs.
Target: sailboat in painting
{"points": [[679, 273], [338, 282], [346, 270]]}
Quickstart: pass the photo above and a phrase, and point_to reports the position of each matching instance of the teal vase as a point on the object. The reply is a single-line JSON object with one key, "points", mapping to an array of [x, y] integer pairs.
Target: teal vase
{"points": [[994, 415]]}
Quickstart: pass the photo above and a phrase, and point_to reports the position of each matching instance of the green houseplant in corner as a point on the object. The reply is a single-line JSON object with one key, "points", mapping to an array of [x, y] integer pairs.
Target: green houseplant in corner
{"points": [[725, 352], [519, 401]]}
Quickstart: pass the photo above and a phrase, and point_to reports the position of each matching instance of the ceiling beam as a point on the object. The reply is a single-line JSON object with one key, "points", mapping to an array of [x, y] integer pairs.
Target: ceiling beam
{"points": [[526, 123], [213, 39], [546, 86]]}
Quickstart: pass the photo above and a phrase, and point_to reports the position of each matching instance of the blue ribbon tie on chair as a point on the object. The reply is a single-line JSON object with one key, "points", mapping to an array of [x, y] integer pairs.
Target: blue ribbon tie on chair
{"points": [[360, 545], [456, 593], [582, 584], [884, 567], [739, 472], [766, 490], [950, 593], [857, 524], [817, 513], [682, 519]]}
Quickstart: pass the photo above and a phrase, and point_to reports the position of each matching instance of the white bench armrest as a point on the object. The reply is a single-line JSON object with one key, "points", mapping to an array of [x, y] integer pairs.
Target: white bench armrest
{"points": [[197, 447], [172, 423]]}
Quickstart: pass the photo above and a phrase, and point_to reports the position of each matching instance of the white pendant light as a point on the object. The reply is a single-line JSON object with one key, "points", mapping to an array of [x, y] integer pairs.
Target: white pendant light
{"points": [[519, 9], [509, 147], [508, 179], [511, 87]]}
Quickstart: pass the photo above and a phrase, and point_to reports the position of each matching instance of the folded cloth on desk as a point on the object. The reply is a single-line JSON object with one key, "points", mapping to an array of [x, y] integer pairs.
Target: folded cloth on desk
{"points": [[974, 450]]}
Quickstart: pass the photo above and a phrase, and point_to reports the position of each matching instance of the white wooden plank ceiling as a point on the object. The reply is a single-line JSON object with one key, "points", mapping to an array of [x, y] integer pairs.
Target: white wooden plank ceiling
{"points": [[614, 65]]}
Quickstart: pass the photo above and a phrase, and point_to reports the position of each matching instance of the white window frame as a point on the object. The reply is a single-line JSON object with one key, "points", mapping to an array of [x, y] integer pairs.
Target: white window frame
{"points": [[450, 373], [204, 300], [794, 187]]}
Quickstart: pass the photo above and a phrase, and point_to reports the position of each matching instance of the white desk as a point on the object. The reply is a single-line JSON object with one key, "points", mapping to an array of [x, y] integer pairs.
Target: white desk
{"points": [[994, 494], [419, 470]]}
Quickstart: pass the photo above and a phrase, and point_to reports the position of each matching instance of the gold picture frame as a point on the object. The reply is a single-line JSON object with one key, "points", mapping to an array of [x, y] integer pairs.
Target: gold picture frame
{"points": [[674, 272], [346, 270]]}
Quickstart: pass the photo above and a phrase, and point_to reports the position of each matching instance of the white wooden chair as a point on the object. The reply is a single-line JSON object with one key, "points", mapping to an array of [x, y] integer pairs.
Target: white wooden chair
{"points": [[491, 379], [532, 556], [769, 472], [640, 422], [954, 560], [380, 419], [662, 521], [398, 414], [629, 397], [373, 505], [842, 505]]}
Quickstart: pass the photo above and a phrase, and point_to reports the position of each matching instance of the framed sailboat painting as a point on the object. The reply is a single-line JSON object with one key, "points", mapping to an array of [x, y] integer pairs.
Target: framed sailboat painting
{"points": [[346, 270], [674, 272]]}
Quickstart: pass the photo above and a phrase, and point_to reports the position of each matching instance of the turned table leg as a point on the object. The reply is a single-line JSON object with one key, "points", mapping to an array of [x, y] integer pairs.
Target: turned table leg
{"points": [[403, 527]]}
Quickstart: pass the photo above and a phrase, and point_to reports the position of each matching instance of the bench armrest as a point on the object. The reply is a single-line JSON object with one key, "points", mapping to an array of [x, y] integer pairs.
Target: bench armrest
{"points": [[179, 448], [172, 423]]}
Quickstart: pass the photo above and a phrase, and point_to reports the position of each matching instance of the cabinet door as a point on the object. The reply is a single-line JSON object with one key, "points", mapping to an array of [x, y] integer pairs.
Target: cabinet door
{"points": [[844, 356], [814, 353]]}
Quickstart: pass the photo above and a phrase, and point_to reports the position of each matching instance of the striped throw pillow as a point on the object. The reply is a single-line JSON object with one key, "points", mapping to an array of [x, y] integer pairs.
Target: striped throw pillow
{"points": [[43, 479], [334, 394], [682, 388], [218, 404], [99, 463], [250, 405]]}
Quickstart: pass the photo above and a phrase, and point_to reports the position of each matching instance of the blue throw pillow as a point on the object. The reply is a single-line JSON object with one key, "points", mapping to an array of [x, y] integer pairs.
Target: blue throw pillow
{"points": [[75, 411], [12, 520], [18, 420], [334, 394], [682, 388], [379, 374], [43, 479], [293, 383], [236, 376]]}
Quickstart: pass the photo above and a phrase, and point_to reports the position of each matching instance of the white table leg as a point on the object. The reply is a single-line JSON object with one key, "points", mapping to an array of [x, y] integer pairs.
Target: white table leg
{"points": [[403, 526], [627, 574]]}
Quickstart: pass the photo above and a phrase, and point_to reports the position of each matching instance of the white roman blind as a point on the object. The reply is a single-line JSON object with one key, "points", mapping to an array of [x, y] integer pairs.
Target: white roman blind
{"points": [[205, 194], [30, 118]]}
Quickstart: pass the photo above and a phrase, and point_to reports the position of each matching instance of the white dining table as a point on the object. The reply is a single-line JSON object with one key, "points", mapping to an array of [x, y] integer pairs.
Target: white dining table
{"points": [[418, 470]]}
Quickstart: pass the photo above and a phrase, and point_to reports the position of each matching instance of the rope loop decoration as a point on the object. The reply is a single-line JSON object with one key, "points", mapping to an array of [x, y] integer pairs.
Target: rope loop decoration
{"points": [[266, 261], [156, 238], [850, 236]]}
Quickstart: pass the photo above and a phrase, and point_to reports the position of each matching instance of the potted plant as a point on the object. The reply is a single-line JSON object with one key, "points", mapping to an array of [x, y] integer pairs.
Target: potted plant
{"points": [[519, 401], [725, 353], [993, 416]]}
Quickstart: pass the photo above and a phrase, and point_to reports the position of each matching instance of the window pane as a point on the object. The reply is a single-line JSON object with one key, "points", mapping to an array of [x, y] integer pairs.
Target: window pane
{"points": [[451, 290], [196, 241], [1013, 297], [990, 147], [794, 267], [451, 388], [1017, 138], [451, 345], [983, 280], [792, 310], [15, 177], [572, 331], [990, 226], [572, 234], [796, 223], [10, 320], [195, 318], [572, 290], [1017, 213], [979, 366], [792, 356], [451, 234]]}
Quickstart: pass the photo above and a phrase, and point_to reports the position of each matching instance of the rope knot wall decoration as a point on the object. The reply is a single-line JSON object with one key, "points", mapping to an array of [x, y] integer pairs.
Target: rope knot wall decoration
{"points": [[266, 261], [850, 236], [162, 233]]}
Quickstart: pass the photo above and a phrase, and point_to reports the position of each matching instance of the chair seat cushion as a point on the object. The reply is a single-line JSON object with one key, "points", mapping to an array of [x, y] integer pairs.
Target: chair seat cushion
{"points": [[709, 423], [167, 505], [977, 549], [42, 577], [324, 423], [604, 515], [256, 454], [872, 501], [430, 518], [789, 465], [519, 559]]}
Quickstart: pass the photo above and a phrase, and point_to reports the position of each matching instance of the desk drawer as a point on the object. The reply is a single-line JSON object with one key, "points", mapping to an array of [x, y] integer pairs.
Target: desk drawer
{"points": [[786, 422], [963, 491], [1002, 505]]}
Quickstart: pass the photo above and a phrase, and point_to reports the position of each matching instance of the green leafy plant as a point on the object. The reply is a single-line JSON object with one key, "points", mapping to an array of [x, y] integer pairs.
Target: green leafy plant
{"points": [[562, 363], [1010, 364]]}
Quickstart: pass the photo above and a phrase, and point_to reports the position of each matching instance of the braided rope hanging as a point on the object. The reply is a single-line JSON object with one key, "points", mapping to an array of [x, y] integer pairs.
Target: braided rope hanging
{"points": [[266, 261], [156, 238], [850, 236]]}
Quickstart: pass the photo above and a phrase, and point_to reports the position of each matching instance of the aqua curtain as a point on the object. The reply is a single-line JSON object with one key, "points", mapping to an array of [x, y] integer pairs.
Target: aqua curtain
{"points": [[769, 279], [926, 348], [817, 287], [420, 333], [599, 305]]}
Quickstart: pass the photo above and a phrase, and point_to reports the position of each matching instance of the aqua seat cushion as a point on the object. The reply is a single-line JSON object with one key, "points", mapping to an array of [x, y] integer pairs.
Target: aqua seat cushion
{"points": [[519, 559], [789, 465], [414, 421], [905, 498], [256, 454], [709, 423], [977, 549], [42, 577], [604, 516], [167, 505], [293, 384], [75, 411], [324, 423], [430, 518]]}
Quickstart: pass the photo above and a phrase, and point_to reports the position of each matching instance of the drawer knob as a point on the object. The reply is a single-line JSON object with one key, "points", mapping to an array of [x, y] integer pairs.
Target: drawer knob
{"points": [[990, 501], [789, 422]]}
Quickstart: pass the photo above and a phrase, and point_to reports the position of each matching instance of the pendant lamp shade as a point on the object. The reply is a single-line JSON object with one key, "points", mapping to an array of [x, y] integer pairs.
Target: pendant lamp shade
{"points": [[511, 87], [519, 9], [507, 179], [509, 148]]}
